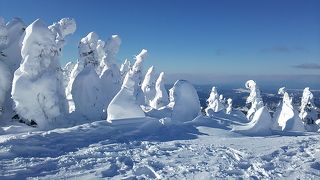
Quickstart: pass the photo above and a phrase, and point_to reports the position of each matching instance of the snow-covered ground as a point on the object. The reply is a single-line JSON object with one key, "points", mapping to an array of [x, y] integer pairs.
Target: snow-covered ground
{"points": [[201, 149]]}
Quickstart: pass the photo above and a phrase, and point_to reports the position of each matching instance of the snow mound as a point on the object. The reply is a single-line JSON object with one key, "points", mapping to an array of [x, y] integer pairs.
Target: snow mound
{"points": [[126, 104], [260, 124], [184, 101], [286, 117]]}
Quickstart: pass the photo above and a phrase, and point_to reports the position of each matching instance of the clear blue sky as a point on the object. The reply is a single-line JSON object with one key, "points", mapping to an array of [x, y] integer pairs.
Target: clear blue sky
{"points": [[229, 37]]}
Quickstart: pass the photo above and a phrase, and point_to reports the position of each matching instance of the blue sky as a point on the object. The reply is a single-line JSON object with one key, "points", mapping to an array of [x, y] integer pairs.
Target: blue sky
{"points": [[229, 37]]}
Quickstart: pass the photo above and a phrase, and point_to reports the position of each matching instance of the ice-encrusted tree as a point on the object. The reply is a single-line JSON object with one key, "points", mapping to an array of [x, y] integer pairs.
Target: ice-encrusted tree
{"points": [[126, 104], [110, 75], [214, 102], [87, 54], [286, 117], [86, 87], [161, 98], [66, 71], [148, 85], [12, 52], [308, 110], [229, 106], [254, 98], [5, 75], [36, 88], [124, 68]]}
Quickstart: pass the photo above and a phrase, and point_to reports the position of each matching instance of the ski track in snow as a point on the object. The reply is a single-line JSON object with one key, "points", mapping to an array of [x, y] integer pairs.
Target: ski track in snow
{"points": [[88, 151]]}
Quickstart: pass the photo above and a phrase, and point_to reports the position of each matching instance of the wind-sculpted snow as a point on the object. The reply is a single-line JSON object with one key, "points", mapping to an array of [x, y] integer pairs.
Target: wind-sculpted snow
{"points": [[155, 151]]}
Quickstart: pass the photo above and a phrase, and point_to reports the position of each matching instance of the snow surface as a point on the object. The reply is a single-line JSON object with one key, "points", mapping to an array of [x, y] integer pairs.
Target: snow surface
{"points": [[154, 150]]}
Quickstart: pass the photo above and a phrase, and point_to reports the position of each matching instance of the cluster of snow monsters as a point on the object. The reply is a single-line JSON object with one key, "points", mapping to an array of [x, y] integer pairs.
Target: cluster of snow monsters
{"points": [[259, 122], [45, 95]]}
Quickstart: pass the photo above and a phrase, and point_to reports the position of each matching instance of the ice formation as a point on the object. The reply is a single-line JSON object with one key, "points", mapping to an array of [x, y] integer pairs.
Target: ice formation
{"points": [[148, 85], [308, 110], [36, 86], [184, 101], [214, 102], [66, 71], [254, 98], [286, 117], [161, 98], [126, 104]]}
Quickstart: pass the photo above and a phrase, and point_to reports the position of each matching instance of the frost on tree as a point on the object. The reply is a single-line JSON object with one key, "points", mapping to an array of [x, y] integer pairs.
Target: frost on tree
{"points": [[308, 110], [184, 101], [124, 68], [12, 52], [214, 102], [229, 106], [66, 72], [88, 55], [36, 86], [148, 85], [5, 75], [254, 98], [86, 87], [126, 104], [161, 98], [286, 117], [61, 29], [110, 75]]}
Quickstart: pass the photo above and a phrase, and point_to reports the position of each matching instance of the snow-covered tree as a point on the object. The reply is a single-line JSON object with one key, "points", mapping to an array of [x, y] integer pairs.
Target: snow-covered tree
{"points": [[148, 85], [308, 110], [214, 102], [286, 117], [124, 68], [126, 104], [110, 75], [87, 55], [36, 85], [86, 87], [5, 75], [229, 106], [161, 98], [184, 101], [254, 98]]}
